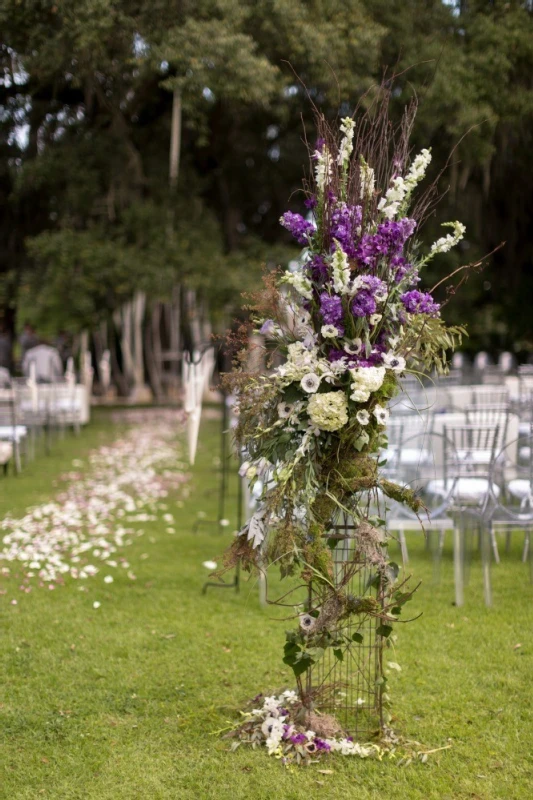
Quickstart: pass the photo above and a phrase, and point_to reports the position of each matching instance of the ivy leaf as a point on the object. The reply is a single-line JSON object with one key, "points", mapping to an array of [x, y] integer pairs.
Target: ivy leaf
{"points": [[339, 655], [357, 637], [384, 630]]}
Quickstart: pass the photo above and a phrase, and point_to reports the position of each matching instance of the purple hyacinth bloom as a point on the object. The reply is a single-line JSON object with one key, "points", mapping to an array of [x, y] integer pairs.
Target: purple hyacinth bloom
{"points": [[318, 268], [387, 242], [322, 745], [298, 227], [416, 302], [331, 309], [364, 304], [299, 738], [345, 227]]}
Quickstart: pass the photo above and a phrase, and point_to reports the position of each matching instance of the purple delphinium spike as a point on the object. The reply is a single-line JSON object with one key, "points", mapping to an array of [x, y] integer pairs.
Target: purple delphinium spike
{"points": [[298, 227]]}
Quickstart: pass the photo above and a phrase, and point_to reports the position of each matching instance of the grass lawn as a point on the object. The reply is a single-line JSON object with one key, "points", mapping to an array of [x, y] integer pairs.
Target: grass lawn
{"points": [[124, 701]]}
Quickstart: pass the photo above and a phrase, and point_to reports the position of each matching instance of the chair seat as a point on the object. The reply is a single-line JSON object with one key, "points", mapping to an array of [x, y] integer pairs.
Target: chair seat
{"points": [[462, 488], [519, 488], [409, 456], [12, 433], [475, 456]]}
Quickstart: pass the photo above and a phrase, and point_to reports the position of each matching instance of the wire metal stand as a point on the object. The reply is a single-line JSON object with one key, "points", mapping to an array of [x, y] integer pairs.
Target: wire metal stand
{"points": [[235, 583], [349, 689], [224, 474]]}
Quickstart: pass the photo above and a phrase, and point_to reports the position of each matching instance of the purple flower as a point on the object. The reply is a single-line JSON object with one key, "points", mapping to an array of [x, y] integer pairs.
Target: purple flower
{"points": [[298, 227], [416, 302], [322, 745], [318, 268], [364, 304], [267, 326], [319, 145], [299, 738], [331, 309], [387, 242], [310, 202], [345, 227]]}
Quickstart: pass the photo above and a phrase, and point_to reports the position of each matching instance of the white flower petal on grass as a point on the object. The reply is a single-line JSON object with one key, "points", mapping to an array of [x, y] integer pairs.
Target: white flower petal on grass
{"points": [[108, 579], [209, 564], [96, 604], [224, 523]]}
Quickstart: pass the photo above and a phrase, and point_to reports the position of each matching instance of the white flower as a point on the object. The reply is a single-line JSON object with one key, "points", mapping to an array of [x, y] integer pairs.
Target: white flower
{"points": [[310, 382], [446, 243], [417, 169], [329, 331], [96, 604], [346, 147], [270, 724], [245, 466], [359, 394], [307, 622], [389, 205], [328, 411], [209, 564], [108, 579], [363, 417], [322, 168], [284, 411], [381, 414], [223, 523], [340, 270], [370, 377], [374, 319], [366, 177], [300, 283], [353, 346], [394, 362]]}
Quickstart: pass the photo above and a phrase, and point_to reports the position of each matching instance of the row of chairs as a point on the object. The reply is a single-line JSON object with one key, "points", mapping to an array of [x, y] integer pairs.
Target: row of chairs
{"points": [[32, 412]]}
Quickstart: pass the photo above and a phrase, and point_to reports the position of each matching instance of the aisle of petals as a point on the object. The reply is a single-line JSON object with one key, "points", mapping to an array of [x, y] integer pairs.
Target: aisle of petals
{"points": [[81, 532]]}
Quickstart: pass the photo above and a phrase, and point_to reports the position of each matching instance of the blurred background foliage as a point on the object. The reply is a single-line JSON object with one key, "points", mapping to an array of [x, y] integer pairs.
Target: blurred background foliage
{"points": [[86, 97]]}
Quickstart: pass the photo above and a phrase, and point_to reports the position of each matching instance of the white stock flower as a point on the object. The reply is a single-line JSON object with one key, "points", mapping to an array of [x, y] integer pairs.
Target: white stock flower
{"points": [[322, 168], [389, 204], [300, 283], [310, 383], [329, 331], [445, 243], [363, 417], [346, 146], [341, 270], [381, 414], [394, 362], [367, 181], [418, 168]]}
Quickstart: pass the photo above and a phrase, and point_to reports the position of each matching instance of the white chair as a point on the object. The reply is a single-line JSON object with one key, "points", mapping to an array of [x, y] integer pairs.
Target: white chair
{"points": [[10, 430]]}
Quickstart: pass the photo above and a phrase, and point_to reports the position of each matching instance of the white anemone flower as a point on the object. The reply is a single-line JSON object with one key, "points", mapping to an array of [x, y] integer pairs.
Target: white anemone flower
{"points": [[394, 362], [374, 319], [363, 417], [310, 383], [381, 414], [353, 346], [329, 331], [285, 410]]}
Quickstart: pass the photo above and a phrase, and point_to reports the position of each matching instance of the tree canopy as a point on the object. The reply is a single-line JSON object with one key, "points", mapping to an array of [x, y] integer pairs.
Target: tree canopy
{"points": [[87, 93]]}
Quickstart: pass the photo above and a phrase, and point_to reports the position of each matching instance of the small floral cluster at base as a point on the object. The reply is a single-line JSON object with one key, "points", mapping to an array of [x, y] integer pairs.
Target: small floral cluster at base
{"points": [[274, 726]]}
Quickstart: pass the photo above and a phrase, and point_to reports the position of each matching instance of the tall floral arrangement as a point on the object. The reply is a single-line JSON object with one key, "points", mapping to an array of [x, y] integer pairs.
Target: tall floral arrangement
{"points": [[343, 326]]}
